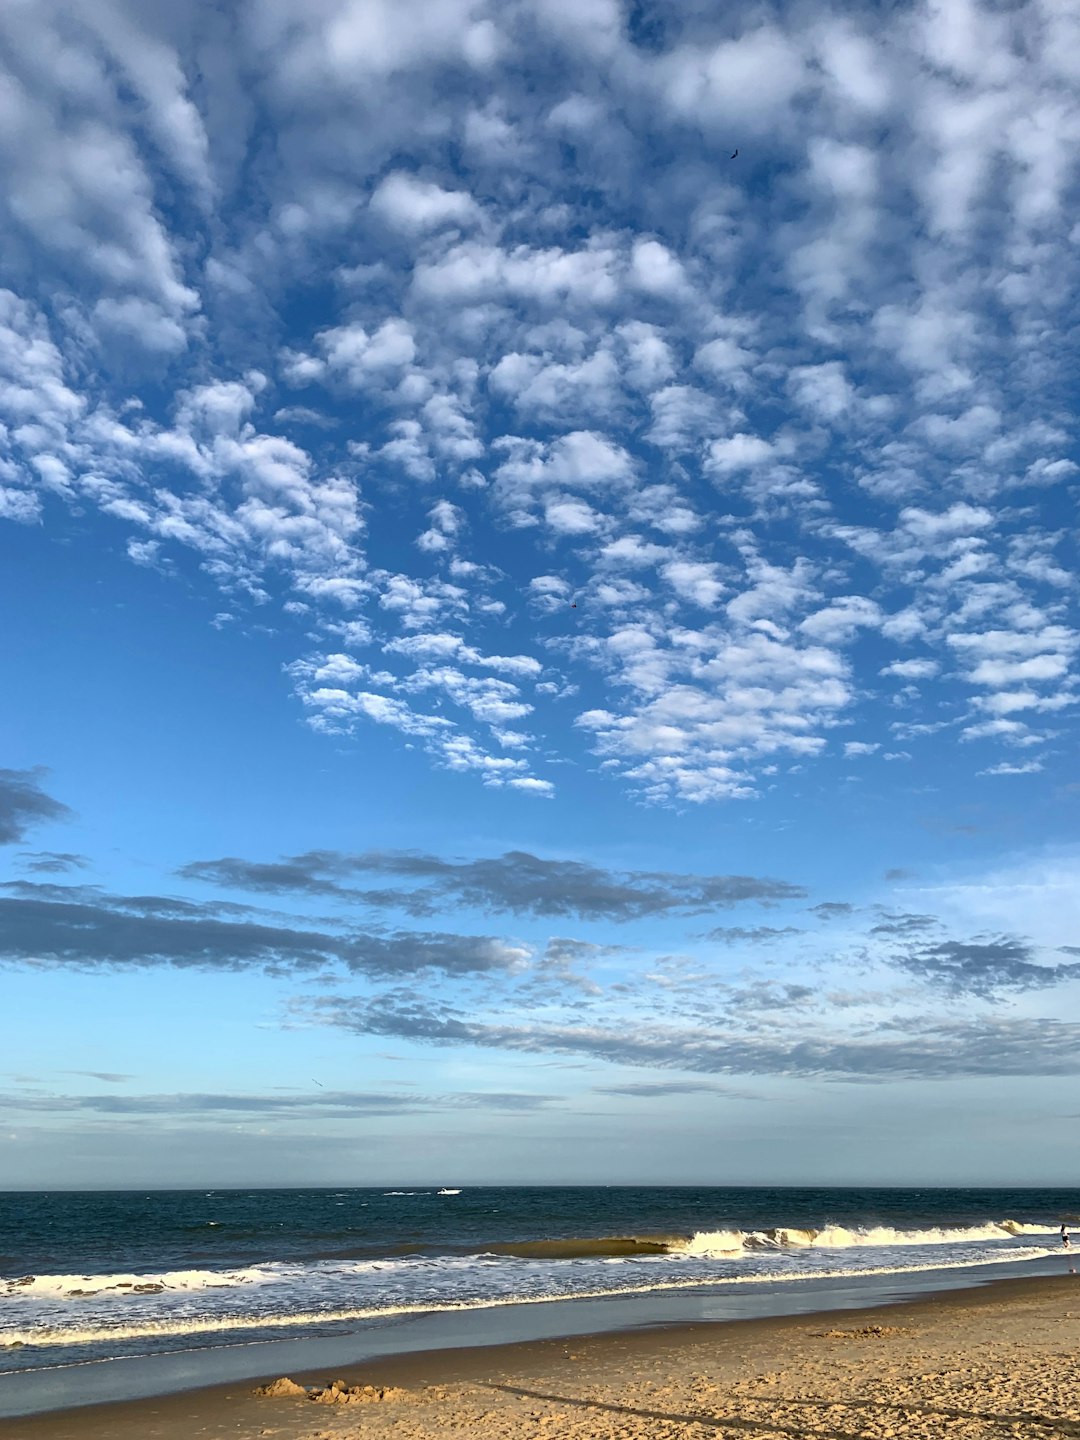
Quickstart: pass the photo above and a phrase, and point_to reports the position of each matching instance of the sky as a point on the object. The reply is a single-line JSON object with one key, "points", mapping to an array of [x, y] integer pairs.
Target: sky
{"points": [[538, 547]]}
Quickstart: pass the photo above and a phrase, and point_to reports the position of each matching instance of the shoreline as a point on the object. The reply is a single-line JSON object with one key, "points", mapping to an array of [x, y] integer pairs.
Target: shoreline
{"points": [[48, 1389], [431, 1380]]}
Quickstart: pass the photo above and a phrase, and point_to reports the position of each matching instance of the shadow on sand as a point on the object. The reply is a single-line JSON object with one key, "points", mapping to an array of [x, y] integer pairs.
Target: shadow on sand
{"points": [[860, 1411]]}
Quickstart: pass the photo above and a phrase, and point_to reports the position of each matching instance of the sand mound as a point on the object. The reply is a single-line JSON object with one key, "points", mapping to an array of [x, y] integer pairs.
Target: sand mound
{"points": [[338, 1392], [865, 1332], [284, 1386]]}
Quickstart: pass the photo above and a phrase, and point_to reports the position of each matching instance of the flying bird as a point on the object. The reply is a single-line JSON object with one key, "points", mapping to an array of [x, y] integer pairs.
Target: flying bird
{"points": [[574, 605], [735, 156], [318, 1082]]}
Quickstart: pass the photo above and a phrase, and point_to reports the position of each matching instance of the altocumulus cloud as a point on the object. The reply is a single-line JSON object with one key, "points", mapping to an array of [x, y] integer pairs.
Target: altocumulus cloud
{"points": [[321, 1104], [985, 966], [525, 229], [751, 934], [52, 862], [926, 1050], [84, 927], [663, 1089], [517, 882], [23, 804]]}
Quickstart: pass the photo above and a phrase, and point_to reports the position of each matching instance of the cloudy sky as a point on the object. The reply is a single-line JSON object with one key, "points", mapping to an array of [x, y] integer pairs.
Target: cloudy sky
{"points": [[538, 543]]}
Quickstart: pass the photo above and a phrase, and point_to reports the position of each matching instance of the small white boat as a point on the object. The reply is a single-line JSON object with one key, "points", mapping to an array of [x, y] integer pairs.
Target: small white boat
{"points": [[447, 1192]]}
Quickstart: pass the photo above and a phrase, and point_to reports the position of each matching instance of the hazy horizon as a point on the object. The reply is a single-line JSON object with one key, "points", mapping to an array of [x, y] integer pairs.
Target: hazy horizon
{"points": [[194, 1189]]}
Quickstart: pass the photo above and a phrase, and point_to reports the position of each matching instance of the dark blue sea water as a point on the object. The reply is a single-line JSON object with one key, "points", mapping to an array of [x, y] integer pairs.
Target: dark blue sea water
{"points": [[99, 1275]]}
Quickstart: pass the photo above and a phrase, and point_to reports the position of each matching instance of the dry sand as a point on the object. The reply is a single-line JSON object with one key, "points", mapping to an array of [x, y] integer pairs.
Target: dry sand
{"points": [[999, 1361]]}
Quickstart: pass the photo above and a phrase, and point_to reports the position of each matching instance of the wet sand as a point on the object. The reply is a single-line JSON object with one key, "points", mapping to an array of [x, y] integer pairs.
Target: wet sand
{"points": [[999, 1361]]}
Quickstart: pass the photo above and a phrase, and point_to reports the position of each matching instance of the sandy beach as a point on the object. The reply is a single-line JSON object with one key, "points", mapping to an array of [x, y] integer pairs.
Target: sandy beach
{"points": [[997, 1361]]}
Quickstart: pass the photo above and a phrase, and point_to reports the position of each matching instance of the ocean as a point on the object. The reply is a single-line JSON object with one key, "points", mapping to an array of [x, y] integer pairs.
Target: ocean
{"points": [[95, 1276]]}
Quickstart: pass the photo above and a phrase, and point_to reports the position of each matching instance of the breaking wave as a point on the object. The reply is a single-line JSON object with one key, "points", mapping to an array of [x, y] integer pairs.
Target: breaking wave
{"points": [[85, 1287], [837, 1237], [701, 1245], [120, 1330], [70, 1316], [723, 1244]]}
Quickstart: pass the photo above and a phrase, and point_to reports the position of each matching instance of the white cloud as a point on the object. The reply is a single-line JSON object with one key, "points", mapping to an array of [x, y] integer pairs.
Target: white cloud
{"points": [[531, 785], [774, 591], [649, 360], [930, 527], [358, 357], [537, 385], [725, 359], [542, 586], [735, 85], [568, 516], [1030, 767], [738, 452], [837, 622], [338, 694], [855, 748], [535, 474], [419, 603], [447, 522], [408, 203], [95, 214], [683, 416], [695, 580], [741, 698], [33, 387], [824, 390], [633, 552], [408, 447], [868, 370], [654, 269], [142, 322], [912, 669], [475, 271], [19, 505], [859, 72], [664, 508], [445, 646]]}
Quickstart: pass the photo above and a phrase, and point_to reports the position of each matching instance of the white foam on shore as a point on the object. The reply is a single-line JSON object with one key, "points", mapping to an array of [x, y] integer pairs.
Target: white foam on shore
{"points": [[87, 1286], [88, 1316], [74, 1335], [704, 1245]]}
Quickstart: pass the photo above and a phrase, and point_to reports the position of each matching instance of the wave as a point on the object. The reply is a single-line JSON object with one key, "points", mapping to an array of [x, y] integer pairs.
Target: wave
{"points": [[47, 1336], [725, 1243], [589, 1248], [154, 1283], [700, 1245]]}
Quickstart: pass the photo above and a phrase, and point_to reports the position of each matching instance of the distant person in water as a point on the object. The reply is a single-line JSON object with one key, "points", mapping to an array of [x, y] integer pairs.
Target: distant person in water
{"points": [[1065, 1236]]}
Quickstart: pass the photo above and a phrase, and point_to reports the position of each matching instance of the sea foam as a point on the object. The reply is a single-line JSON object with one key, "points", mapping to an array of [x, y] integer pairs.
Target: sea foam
{"points": [[836, 1237], [120, 1330]]}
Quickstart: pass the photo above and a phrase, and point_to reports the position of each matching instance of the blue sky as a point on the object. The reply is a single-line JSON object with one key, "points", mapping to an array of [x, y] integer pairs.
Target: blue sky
{"points": [[538, 648]]}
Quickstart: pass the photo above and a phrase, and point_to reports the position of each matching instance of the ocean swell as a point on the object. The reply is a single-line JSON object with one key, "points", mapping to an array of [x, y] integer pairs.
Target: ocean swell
{"points": [[721, 1244]]}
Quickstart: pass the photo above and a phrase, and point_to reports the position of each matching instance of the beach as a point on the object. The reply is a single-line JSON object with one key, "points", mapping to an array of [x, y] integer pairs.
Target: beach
{"points": [[999, 1360], [109, 1296]]}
